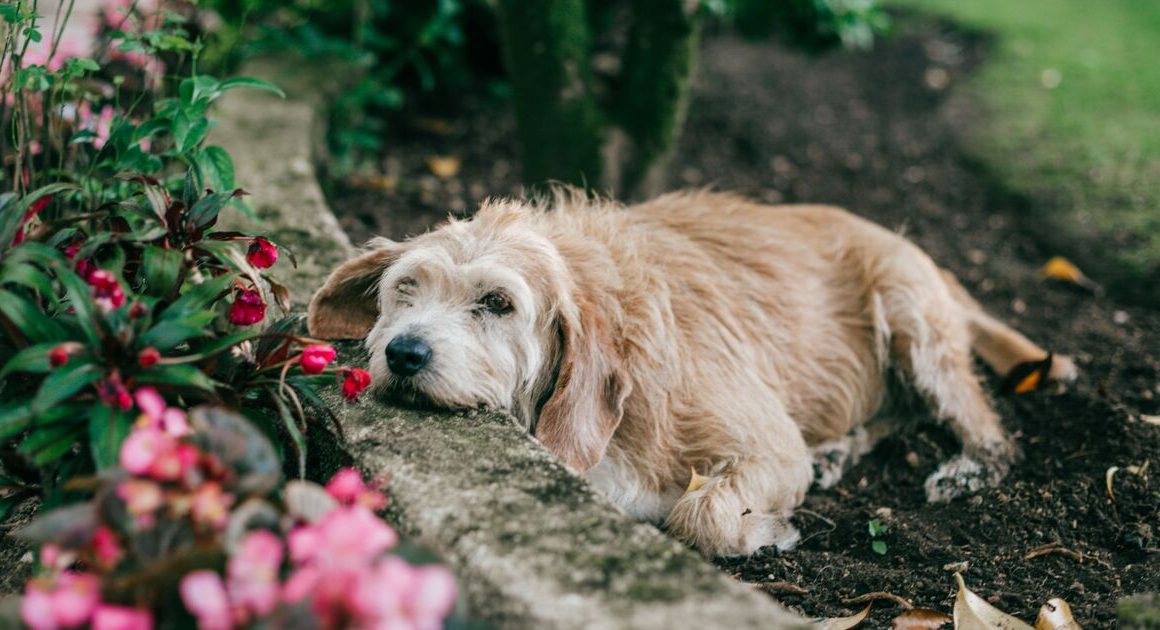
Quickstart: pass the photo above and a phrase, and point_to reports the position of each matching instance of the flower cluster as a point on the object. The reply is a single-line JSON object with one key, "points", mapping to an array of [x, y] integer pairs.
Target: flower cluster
{"points": [[321, 560], [338, 573]]}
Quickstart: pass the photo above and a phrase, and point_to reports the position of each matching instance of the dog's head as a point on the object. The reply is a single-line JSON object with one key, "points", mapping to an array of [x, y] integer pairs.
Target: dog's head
{"points": [[483, 313]]}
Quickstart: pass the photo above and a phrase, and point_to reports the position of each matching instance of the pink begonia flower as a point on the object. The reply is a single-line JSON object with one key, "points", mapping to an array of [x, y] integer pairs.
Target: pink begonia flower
{"points": [[253, 573], [169, 419], [347, 536], [210, 506], [142, 448], [142, 498], [110, 617], [36, 607], [106, 547], [205, 597], [347, 487], [431, 596], [316, 357], [75, 597]]}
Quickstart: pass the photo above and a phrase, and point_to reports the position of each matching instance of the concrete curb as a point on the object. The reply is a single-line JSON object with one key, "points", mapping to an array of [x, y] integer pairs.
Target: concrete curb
{"points": [[531, 542]]}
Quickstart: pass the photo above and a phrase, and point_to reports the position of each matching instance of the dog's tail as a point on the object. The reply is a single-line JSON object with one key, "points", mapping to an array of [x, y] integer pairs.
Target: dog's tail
{"points": [[1003, 347]]}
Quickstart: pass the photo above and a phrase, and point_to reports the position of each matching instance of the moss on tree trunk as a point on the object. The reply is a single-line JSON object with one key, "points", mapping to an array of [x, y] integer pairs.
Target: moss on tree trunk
{"points": [[561, 131]]}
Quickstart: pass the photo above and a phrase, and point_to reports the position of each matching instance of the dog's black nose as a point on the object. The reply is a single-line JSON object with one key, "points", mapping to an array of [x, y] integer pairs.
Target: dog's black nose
{"points": [[407, 355]]}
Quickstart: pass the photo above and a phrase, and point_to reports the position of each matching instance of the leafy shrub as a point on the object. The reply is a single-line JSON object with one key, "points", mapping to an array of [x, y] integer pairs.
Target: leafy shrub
{"points": [[122, 305]]}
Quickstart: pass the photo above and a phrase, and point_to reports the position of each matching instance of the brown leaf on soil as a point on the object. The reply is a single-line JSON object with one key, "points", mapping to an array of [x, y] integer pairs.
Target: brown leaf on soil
{"points": [[974, 613], [443, 167], [1151, 419], [1052, 548], [920, 619], [878, 596], [1055, 615], [1060, 268], [844, 623], [781, 588]]}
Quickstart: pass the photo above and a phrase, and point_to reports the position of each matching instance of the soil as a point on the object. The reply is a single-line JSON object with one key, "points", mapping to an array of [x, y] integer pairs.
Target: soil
{"points": [[877, 133]]}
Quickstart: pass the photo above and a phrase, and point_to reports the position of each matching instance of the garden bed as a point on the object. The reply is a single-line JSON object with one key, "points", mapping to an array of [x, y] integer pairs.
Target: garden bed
{"points": [[871, 132]]}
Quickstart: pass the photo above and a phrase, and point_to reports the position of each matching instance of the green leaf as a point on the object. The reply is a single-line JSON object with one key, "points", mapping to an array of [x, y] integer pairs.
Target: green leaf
{"points": [[251, 82], [162, 269], [291, 426], [199, 298], [876, 527], [168, 333], [32, 359], [879, 547], [218, 167], [205, 211], [63, 383], [14, 418], [185, 376], [48, 451], [188, 132], [29, 319], [108, 428]]}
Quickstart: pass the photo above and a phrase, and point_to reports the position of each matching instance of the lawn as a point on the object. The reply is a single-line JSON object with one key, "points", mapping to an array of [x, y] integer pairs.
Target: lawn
{"points": [[1069, 98]]}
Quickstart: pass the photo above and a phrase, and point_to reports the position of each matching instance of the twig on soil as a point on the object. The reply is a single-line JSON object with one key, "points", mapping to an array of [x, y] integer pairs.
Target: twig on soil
{"points": [[814, 514], [877, 596], [782, 588], [1053, 548]]}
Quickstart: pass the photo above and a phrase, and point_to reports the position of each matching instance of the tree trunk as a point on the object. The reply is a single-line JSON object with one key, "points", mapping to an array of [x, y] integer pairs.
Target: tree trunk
{"points": [[654, 88], [560, 129]]}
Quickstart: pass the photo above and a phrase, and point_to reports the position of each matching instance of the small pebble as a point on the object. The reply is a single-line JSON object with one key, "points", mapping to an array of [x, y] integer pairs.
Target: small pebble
{"points": [[912, 459], [957, 567], [936, 78], [1121, 317], [1019, 306], [977, 256]]}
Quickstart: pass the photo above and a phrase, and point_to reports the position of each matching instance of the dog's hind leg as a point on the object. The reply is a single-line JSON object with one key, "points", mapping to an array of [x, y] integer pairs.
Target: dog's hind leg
{"points": [[931, 341], [831, 459]]}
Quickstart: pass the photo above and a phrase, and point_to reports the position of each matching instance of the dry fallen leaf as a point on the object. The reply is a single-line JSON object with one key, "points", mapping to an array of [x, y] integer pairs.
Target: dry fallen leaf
{"points": [[443, 167], [696, 481], [974, 613], [1055, 615], [1151, 419], [843, 623], [1060, 268], [1111, 474], [920, 619]]}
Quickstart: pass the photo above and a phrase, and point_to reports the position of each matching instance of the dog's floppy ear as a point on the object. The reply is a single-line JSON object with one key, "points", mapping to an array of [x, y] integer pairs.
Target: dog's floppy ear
{"points": [[347, 305], [586, 406]]}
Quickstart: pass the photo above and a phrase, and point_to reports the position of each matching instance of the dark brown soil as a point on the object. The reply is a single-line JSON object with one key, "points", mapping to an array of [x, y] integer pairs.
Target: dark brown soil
{"points": [[875, 133]]}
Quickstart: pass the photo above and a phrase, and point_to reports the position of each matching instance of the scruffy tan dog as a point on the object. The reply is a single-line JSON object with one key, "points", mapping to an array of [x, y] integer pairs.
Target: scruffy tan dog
{"points": [[696, 332]]}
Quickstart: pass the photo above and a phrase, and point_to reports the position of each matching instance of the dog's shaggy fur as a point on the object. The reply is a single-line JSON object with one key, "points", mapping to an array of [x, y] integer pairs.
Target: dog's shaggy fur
{"points": [[696, 332]]}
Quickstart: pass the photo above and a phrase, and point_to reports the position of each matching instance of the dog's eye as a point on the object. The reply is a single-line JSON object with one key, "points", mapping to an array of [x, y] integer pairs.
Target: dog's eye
{"points": [[496, 303]]}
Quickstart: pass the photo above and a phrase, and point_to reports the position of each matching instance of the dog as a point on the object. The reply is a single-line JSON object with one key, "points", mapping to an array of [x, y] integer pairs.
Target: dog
{"points": [[691, 356]]}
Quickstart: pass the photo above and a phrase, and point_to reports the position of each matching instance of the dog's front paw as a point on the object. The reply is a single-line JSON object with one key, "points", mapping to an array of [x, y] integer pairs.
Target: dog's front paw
{"points": [[765, 530], [959, 477]]}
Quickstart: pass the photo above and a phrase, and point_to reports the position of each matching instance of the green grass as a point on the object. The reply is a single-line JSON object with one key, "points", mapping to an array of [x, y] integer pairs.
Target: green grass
{"points": [[1088, 150]]}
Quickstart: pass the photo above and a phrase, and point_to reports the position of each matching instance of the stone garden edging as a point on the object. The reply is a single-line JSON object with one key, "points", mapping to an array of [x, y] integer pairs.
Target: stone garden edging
{"points": [[532, 543]]}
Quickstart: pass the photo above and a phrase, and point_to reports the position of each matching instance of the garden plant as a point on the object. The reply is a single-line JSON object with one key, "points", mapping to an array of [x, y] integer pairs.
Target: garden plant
{"points": [[155, 392]]}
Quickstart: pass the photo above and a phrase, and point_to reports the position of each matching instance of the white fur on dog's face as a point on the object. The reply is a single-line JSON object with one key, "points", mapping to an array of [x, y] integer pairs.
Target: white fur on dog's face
{"points": [[442, 290]]}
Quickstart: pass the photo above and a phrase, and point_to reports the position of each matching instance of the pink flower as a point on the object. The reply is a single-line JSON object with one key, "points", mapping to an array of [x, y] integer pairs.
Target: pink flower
{"points": [[262, 253], [106, 547], [107, 292], [345, 537], [142, 498], [347, 487], [205, 597], [169, 419], [148, 357], [210, 506], [316, 357], [142, 448], [36, 607], [75, 597], [248, 308], [355, 382], [395, 592], [253, 571], [109, 617], [431, 596]]}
